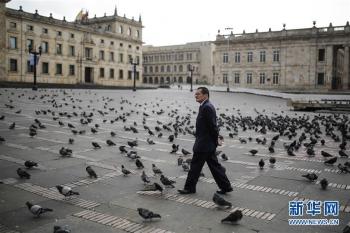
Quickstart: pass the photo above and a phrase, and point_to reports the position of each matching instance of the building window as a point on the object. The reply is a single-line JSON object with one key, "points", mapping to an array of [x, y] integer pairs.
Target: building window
{"points": [[321, 54], [189, 56], [262, 56], [151, 69], [30, 28], [145, 69], [129, 46], [138, 59], [121, 45], [168, 69], [162, 69], [111, 56], [129, 31], [59, 49], [72, 35], [112, 43], [175, 68], [44, 47], [249, 78], [30, 44], [320, 79], [121, 58], [137, 33], [111, 73], [108, 28], [102, 55], [224, 78], [130, 58], [30, 68], [237, 78], [275, 77], [59, 33], [129, 74], [276, 55], [225, 58], [45, 68], [71, 70], [102, 41], [262, 78], [13, 65], [137, 48], [180, 68], [250, 57], [121, 29], [71, 50], [45, 31], [102, 72], [13, 42], [88, 53], [137, 75], [121, 74], [13, 25], [237, 57], [156, 69], [59, 69]]}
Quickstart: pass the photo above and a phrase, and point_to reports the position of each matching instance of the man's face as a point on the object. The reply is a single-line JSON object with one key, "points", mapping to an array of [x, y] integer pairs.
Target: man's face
{"points": [[199, 96]]}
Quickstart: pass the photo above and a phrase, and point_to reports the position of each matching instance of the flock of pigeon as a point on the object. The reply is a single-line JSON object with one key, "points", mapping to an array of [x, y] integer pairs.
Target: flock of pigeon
{"points": [[303, 133]]}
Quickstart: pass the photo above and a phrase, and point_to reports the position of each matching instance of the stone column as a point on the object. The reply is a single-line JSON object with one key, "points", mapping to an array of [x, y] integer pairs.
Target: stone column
{"points": [[346, 77], [3, 40], [330, 69]]}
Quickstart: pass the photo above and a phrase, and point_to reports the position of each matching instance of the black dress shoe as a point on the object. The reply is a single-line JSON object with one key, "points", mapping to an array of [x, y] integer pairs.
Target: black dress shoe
{"points": [[224, 191], [185, 191]]}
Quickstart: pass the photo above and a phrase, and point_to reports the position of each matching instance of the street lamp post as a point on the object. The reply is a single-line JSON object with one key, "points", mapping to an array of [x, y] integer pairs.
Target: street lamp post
{"points": [[191, 69], [35, 61], [134, 64], [228, 52]]}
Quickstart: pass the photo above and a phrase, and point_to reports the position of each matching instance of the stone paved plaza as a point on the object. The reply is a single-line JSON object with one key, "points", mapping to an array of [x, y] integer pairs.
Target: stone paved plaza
{"points": [[109, 203]]}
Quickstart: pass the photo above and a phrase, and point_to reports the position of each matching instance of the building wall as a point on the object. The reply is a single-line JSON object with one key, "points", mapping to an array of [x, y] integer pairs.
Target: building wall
{"points": [[2, 39], [87, 34]]}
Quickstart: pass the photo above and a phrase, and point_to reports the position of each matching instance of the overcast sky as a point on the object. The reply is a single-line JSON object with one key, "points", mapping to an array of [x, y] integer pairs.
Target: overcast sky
{"points": [[168, 22]]}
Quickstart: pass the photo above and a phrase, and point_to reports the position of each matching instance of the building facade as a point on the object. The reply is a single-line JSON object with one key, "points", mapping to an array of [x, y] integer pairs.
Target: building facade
{"points": [[170, 64], [311, 58], [93, 50]]}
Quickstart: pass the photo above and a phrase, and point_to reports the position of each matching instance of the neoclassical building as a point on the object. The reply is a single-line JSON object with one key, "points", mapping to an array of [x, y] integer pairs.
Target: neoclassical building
{"points": [[170, 64], [94, 50], [309, 58]]}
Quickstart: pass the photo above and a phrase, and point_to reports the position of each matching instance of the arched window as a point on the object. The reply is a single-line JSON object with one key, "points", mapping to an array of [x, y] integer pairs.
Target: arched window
{"points": [[151, 69], [129, 31], [167, 80], [162, 69], [174, 79], [156, 70], [137, 33], [175, 68], [156, 80], [144, 80], [161, 80], [188, 80], [168, 68], [180, 80], [109, 28], [150, 80], [145, 69], [121, 29], [180, 68]]}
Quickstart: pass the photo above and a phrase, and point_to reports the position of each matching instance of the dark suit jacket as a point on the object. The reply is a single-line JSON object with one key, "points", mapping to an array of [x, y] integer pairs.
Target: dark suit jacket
{"points": [[206, 129]]}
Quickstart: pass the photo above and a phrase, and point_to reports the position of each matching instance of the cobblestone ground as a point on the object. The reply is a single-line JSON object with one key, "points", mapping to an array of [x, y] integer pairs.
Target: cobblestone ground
{"points": [[109, 203]]}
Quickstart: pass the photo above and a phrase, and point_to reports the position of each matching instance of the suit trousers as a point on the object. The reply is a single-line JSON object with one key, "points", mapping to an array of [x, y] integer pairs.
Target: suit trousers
{"points": [[215, 167]]}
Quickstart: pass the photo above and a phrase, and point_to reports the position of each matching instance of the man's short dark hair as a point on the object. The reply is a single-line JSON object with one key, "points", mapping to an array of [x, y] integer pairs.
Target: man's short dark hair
{"points": [[204, 90]]}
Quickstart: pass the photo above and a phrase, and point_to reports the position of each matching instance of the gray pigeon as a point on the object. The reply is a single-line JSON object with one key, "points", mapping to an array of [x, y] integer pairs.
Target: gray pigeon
{"points": [[144, 177], [310, 176], [166, 181], [233, 218], [221, 202], [147, 214], [37, 210], [59, 229]]}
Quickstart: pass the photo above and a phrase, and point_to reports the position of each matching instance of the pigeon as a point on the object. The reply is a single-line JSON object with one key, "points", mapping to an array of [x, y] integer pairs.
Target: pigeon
{"points": [[32, 133], [155, 169], [122, 149], [144, 177], [71, 141], [346, 229], [110, 142], [233, 218], [185, 167], [185, 152], [324, 183], [70, 125], [37, 210], [30, 164], [221, 202], [150, 141], [342, 168], [343, 154], [166, 181], [12, 126], [96, 145], [91, 172], [331, 161], [93, 130], [175, 148], [65, 152], [132, 143], [113, 134], [147, 214], [261, 163], [153, 187], [171, 138], [224, 157], [272, 160], [2, 139], [59, 229], [180, 161], [310, 176], [271, 149], [139, 164], [290, 153], [253, 152], [22, 173], [66, 191], [325, 154], [242, 140], [125, 171]]}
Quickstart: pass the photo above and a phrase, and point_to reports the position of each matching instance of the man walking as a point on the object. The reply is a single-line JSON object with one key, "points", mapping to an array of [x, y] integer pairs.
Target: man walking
{"points": [[205, 146]]}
